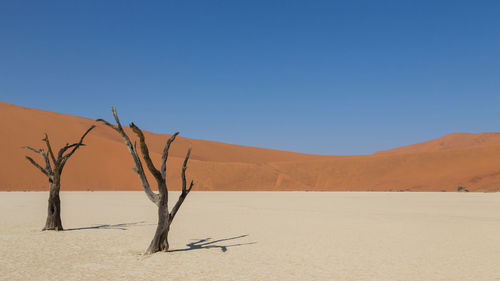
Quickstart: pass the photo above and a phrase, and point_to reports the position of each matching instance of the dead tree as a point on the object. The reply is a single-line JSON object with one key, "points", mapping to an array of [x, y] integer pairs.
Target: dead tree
{"points": [[165, 218], [54, 174]]}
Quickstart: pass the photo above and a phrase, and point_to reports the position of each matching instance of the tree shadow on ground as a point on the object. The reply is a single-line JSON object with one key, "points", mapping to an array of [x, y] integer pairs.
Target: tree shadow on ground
{"points": [[120, 226], [208, 244]]}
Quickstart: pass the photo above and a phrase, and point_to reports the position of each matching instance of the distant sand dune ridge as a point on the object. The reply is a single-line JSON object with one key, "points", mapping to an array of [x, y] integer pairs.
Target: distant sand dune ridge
{"points": [[471, 160]]}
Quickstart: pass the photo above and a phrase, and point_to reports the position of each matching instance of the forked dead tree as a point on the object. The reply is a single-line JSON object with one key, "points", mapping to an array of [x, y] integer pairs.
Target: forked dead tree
{"points": [[165, 218], [54, 174]]}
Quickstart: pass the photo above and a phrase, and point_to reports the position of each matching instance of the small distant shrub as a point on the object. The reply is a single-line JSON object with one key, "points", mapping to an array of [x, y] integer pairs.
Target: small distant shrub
{"points": [[461, 188]]}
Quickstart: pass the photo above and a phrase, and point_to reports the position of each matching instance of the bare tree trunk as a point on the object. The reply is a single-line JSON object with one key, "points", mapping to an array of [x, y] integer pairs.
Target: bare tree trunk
{"points": [[54, 174], [160, 240], [54, 209]]}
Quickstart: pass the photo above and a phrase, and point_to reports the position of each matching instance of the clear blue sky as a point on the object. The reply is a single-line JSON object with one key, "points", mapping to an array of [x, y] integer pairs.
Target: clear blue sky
{"points": [[326, 77]]}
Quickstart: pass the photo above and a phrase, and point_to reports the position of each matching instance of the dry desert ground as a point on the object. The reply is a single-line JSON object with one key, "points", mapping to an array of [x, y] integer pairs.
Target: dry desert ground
{"points": [[256, 236]]}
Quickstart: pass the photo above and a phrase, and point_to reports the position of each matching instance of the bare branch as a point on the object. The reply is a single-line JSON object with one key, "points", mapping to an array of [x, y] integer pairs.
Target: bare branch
{"points": [[145, 152], [164, 156], [44, 171], [119, 125], [155, 198], [184, 191], [32, 149], [40, 151], [179, 202], [49, 148], [184, 167], [117, 128], [107, 123], [80, 143], [75, 146], [190, 186], [66, 147]]}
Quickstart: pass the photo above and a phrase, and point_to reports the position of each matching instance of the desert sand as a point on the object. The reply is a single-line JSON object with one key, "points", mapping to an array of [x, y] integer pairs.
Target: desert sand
{"points": [[470, 160], [256, 236]]}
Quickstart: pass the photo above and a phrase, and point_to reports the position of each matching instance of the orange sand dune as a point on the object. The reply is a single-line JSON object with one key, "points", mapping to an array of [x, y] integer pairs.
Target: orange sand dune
{"points": [[449, 142], [471, 160]]}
